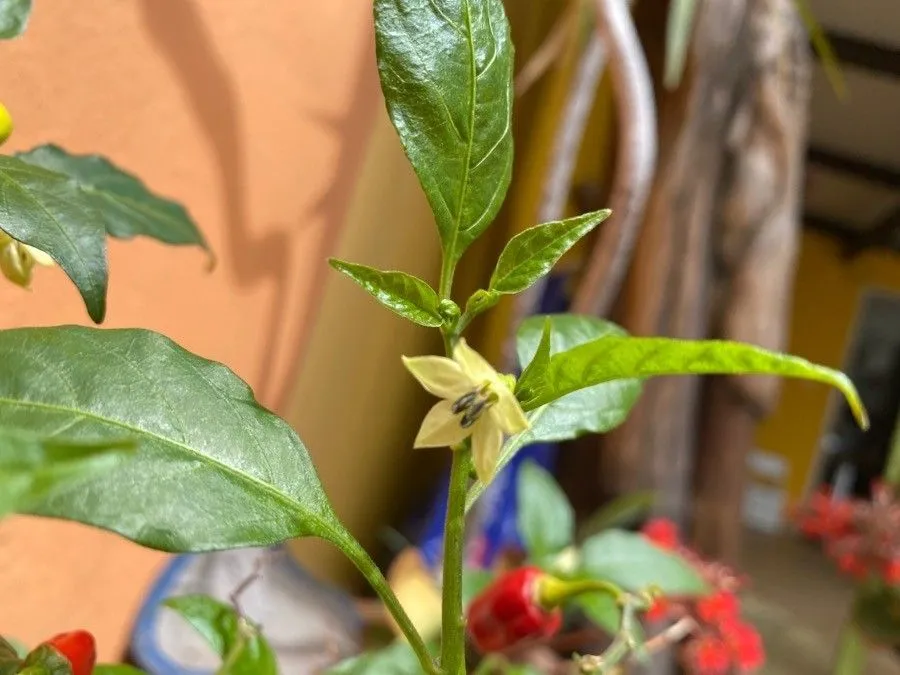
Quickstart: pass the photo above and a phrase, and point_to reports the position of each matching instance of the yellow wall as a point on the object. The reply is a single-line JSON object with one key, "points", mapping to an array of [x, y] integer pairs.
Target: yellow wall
{"points": [[827, 295], [255, 115]]}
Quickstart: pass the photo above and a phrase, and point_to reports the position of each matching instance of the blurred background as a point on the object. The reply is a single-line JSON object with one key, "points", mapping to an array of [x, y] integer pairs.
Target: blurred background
{"points": [[771, 215]]}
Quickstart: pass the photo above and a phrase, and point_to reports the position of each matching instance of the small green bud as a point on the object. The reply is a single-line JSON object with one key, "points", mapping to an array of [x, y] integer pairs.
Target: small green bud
{"points": [[449, 311], [481, 301]]}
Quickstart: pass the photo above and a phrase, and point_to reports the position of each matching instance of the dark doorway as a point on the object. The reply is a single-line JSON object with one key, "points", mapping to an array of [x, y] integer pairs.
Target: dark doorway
{"points": [[850, 458]]}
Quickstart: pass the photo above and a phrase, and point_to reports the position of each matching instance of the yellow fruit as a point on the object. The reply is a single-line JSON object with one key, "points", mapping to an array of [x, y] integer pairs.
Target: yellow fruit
{"points": [[6, 124]]}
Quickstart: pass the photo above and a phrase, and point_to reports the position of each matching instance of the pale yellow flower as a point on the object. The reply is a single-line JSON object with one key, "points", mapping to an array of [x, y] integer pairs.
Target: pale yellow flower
{"points": [[17, 260], [477, 401]]}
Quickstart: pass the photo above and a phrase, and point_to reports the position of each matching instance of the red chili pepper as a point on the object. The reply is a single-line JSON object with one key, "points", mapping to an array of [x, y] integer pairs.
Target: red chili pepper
{"points": [[509, 611], [79, 648]]}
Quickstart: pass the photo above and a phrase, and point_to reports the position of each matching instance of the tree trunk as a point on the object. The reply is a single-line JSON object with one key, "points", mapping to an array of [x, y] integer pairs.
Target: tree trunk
{"points": [[758, 234], [669, 286], [716, 259]]}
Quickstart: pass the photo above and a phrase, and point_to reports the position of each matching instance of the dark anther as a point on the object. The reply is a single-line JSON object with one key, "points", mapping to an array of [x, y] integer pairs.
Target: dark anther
{"points": [[473, 413], [463, 402]]}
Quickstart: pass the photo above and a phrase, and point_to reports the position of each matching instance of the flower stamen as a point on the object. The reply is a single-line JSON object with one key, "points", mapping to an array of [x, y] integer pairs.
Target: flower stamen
{"points": [[473, 403], [474, 412], [464, 402]]}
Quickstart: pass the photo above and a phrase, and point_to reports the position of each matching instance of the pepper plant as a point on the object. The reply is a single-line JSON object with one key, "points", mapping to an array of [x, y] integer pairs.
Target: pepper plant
{"points": [[125, 430]]}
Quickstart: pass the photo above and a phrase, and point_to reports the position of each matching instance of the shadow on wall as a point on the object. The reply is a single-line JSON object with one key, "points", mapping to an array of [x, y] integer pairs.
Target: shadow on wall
{"points": [[177, 29]]}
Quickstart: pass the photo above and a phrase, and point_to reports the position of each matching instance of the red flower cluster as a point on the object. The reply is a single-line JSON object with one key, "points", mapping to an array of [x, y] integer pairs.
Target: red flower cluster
{"points": [[723, 642], [862, 536]]}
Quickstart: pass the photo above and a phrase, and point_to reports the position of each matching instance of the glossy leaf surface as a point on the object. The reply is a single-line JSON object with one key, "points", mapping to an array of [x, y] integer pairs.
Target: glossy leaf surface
{"points": [[612, 358], [216, 470], [46, 210], [32, 468], [126, 206], [531, 254], [596, 409], [402, 293], [446, 74]]}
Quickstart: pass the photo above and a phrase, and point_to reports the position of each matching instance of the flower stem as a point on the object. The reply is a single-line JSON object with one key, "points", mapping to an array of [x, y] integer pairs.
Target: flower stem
{"points": [[554, 592], [446, 283], [367, 567], [453, 637], [851, 654]]}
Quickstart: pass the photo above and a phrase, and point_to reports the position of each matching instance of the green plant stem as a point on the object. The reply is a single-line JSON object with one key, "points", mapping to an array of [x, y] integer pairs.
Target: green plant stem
{"points": [[367, 567], [892, 469], [445, 286], [453, 637], [851, 654], [554, 592]]}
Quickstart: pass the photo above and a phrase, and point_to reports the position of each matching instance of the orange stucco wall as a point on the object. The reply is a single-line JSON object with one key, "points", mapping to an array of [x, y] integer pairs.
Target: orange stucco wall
{"points": [[254, 114]]}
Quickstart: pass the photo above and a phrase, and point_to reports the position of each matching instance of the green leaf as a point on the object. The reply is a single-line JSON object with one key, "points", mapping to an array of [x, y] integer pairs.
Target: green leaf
{"points": [[32, 468], [531, 254], [537, 367], [216, 470], [46, 210], [678, 39], [397, 659], [446, 74], [546, 520], [116, 669], [624, 511], [474, 581], [820, 42], [408, 296], [596, 409], [127, 208], [45, 660], [602, 610], [10, 659], [243, 649], [628, 560], [612, 358], [14, 16]]}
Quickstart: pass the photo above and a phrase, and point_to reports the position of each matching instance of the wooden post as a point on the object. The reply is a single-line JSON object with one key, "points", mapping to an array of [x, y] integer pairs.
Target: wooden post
{"points": [[758, 233]]}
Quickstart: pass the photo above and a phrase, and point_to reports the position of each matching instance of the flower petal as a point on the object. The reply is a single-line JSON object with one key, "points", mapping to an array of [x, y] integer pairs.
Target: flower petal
{"points": [[440, 376], [39, 256], [474, 364], [507, 412], [15, 264], [487, 439], [440, 428]]}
